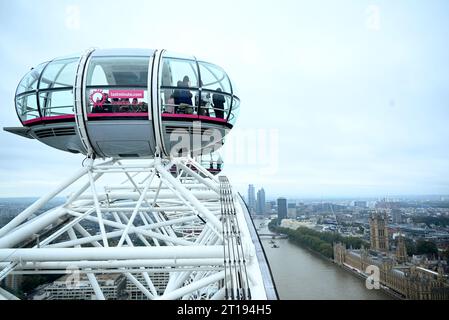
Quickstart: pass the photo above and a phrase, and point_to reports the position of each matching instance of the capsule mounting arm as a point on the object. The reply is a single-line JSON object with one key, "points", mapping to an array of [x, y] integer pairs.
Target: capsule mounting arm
{"points": [[21, 131]]}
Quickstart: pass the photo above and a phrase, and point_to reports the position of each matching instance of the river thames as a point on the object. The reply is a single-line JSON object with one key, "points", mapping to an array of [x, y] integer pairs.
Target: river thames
{"points": [[303, 275]]}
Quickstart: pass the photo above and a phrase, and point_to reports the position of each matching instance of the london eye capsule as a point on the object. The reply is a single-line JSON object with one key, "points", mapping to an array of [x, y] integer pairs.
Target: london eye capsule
{"points": [[127, 103]]}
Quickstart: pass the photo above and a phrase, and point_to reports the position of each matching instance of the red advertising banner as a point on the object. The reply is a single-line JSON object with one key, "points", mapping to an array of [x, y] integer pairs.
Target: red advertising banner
{"points": [[120, 94]]}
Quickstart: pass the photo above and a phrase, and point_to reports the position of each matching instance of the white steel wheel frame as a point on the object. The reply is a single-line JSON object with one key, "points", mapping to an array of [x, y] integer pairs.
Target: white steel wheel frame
{"points": [[153, 221]]}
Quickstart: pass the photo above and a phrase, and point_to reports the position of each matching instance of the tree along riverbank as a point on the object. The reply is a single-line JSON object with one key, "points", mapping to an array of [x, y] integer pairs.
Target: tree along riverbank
{"points": [[319, 242]]}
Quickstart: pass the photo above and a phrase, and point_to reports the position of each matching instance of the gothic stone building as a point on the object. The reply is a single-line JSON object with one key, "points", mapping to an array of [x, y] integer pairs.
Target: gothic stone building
{"points": [[406, 280], [379, 231]]}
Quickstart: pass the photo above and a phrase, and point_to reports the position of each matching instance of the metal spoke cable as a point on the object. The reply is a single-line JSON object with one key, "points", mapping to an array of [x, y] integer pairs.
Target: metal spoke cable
{"points": [[236, 278]]}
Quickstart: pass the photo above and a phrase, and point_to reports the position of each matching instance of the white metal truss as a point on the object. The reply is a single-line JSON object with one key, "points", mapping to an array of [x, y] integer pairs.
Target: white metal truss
{"points": [[138, 218]]}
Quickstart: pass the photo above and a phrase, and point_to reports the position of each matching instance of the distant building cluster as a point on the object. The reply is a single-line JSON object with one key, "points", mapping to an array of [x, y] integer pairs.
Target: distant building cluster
{"points": [[114, 287], [295, 224], [257, 204], [403, 277], [407, 240], [417, 220]]}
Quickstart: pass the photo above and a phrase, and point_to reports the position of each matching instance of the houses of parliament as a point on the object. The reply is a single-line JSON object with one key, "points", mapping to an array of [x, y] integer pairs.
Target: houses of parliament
{"points": [[403, 278]]}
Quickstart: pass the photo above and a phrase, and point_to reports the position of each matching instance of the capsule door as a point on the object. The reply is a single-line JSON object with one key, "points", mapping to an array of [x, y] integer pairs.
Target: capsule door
{"points": [[117, 103]]}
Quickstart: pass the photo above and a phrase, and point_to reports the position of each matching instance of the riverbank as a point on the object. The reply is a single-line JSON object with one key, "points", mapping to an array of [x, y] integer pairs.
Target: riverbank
{"points": [[300, 274], [319, 255], [357, 274], [321, 242]]}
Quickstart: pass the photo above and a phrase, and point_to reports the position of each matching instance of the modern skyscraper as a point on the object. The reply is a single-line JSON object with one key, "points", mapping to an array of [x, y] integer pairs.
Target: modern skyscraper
{"points": [[282, 208], [260, 205], [251, 199], [379, 231]]}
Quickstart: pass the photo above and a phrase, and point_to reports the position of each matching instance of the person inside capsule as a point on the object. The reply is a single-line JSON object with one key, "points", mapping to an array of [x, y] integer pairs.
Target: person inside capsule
{"points": [[183, 97], [218, 101]]}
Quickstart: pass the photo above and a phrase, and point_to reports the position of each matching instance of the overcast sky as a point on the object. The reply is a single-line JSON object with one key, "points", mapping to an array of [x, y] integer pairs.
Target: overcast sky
{"points": [[352, 96]]}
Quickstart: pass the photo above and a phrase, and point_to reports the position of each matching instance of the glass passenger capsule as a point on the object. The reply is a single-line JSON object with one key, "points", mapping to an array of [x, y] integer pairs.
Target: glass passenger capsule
{"points": [[127, 103]]}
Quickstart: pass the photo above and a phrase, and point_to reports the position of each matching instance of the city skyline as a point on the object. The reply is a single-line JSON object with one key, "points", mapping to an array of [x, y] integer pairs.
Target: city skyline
{"points": [[408, 234], [273, 196]]}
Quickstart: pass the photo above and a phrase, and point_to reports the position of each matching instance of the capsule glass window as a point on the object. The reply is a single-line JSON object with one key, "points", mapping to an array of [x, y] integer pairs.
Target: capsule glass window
{"points": [[26, 106], [179, 73], [30, 80], [118, 71], [234, 111], [117, 85], [214, 78], [179, 86], [59, 74], [220, 104], [56, 102]]}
